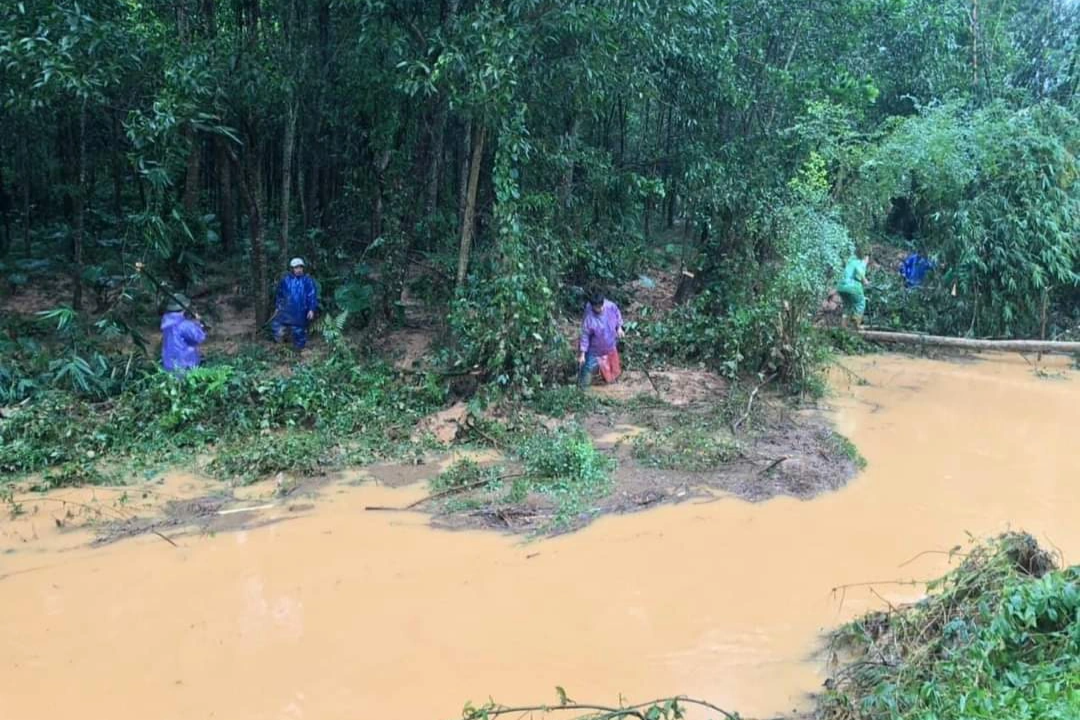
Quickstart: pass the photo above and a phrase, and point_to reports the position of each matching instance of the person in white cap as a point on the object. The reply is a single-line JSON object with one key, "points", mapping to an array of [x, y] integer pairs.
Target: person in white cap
{"points": [[297, 301]]}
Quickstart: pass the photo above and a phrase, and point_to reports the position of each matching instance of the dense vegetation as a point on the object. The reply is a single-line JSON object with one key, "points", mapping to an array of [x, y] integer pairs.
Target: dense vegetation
{"points": [[494, 157], [492, 160]]}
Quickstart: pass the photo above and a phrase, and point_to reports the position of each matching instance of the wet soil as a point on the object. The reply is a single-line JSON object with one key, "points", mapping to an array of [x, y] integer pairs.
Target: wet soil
{"points": [[786, 451]]}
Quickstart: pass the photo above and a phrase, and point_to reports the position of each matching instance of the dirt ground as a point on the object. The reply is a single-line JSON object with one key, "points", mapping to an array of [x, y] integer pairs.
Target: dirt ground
{"points": [[786, 452]]}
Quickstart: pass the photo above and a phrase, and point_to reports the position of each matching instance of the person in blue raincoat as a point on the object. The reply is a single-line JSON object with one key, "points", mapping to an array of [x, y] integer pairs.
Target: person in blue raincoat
{"points": [[180, 337], [914, 269], [297, 301]]}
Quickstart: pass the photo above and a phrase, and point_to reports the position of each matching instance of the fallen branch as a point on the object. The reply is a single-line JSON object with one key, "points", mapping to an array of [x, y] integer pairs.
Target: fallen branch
{"points": [[773, 464], [444, 493], [1036, 346], [750, 403], [100, 510], [603, 712]]}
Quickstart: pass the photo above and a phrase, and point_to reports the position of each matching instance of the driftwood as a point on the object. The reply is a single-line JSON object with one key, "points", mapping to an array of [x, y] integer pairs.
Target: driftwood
{"points": [[445, 493], [1023, 346]]}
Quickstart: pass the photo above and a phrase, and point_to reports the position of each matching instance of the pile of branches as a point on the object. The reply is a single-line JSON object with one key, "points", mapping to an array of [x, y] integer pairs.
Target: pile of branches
{"points": [[998, 636]]}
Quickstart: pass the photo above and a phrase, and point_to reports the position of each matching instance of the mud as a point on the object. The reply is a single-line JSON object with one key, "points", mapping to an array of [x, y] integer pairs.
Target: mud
{"points": [[341, 613], [785, 452]]}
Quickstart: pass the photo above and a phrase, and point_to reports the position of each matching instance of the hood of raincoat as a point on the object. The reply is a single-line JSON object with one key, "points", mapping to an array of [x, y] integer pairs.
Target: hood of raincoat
{"points": [[180, 340]]}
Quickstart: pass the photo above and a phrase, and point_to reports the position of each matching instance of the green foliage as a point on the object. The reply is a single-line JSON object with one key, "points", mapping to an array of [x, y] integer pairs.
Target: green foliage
{"points": [[997, 639], [760, 319], [335, 401], [294, 452], [694, 446], [565, 465], [64, 351], [848, 449], [467, 474], [996, 193], [563, 400]]}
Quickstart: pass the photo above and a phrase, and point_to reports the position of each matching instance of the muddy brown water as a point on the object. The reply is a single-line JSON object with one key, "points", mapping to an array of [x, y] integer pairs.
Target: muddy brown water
{"points": [[343, 614]]}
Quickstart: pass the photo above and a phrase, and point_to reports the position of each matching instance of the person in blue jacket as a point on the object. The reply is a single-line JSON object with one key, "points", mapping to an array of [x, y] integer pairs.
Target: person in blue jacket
{"points": [[297, 301], [914, 269], [180, 337]]}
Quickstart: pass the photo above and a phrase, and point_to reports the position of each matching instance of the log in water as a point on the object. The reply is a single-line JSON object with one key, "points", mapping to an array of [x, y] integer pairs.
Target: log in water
{"points": [[1021, 346]]}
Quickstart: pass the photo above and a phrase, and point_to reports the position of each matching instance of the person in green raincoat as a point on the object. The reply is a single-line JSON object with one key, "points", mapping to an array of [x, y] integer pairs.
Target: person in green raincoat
{"points": [[850, 289]]}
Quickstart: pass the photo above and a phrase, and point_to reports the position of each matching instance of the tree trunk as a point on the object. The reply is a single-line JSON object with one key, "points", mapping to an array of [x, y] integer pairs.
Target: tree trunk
{"points": [[226, 201], [191, 182], [25, 184], [248, 175], [1022, 346], [286, 178], [301, 185], [463, 170], [468, 218], [381, 164], [566, 189], [688, 282], [672, 193], [435, 157], [6, 204], [117, 167], [80, 214]]}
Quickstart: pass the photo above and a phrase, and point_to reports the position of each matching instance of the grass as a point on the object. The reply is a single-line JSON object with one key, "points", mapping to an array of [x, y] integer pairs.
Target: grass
{"points": [[998, 638], [257, 419], [562, 466], [848, 449], [695, 446]]}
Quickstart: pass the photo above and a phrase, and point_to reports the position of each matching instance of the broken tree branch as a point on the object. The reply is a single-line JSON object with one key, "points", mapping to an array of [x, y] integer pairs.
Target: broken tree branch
{"points": [[605, 712], [750, 402], [445, 493]]}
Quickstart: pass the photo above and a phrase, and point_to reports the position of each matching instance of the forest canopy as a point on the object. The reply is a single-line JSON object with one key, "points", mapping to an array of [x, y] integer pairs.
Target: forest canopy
{"points": [[497, 158]]}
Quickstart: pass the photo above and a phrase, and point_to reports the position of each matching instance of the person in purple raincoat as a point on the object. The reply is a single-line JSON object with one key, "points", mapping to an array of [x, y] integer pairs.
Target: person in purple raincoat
{"points": [[601, 330], [180, 337]]}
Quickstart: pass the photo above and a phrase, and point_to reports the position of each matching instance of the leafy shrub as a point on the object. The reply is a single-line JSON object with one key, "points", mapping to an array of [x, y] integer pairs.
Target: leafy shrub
{"points": [[508, 327], [224, 404], [264, 455], [997, 639], [466, 474], [565, 465], [560, 401], [760, 321]]}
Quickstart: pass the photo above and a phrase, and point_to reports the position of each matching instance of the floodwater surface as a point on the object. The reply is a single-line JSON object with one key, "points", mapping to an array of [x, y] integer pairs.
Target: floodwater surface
{"points": [[342, 613]]}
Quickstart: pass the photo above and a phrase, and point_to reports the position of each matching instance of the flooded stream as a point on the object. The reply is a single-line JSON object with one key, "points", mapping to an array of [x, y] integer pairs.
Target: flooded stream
{"points": [[340, 613]]}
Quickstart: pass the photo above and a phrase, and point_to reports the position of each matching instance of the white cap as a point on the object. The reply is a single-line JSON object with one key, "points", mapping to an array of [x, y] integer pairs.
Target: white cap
{"points": [[296, 262]]}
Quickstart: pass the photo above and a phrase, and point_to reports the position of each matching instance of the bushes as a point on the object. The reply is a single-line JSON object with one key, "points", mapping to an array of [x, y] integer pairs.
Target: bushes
{"points": [[560, 465], [995, 195], [997, 639], [760, 320], [264, 455], [219, 405]]}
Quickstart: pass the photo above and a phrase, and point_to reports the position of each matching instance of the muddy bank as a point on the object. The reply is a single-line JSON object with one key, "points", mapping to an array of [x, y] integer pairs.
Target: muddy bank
{"points": [[675, 436], [774, 450]]}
